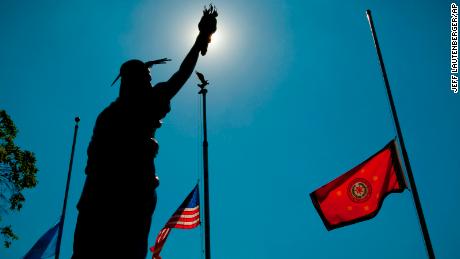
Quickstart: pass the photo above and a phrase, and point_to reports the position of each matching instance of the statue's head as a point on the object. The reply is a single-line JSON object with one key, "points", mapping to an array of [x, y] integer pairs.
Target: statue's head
{"points": [[135, 78]]}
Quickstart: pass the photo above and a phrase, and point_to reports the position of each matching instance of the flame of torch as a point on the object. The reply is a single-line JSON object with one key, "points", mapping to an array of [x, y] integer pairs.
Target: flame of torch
{"points": [[208, 25]]}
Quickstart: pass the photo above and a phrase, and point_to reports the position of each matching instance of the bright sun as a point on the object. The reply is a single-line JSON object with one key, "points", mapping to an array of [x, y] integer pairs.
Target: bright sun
{"points": [[216, 39], [223, 41]]}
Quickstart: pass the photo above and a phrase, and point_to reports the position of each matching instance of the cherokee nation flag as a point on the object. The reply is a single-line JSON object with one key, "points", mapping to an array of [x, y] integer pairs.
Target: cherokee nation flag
{"points": [[358, 194], [187, 216]]}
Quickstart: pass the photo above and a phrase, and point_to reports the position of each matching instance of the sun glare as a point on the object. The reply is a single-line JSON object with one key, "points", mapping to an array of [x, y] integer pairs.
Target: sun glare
{"points": [[224, 41], [216, 39]]}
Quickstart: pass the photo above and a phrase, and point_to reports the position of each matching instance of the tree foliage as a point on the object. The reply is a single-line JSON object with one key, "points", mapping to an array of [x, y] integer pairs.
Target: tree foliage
{"points": [[17, 172]]}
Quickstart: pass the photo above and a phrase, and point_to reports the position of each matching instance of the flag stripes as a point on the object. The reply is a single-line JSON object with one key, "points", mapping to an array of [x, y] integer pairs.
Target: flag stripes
{"points": [[187, 219], [187, 216]]}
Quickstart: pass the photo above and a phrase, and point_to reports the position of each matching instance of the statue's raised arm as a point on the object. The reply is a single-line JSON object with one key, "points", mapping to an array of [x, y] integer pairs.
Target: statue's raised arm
{"points": [[207, 26]]}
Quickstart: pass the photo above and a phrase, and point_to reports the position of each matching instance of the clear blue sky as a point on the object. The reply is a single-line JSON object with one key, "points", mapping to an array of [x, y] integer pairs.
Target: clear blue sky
{"points": [[296, 99]]}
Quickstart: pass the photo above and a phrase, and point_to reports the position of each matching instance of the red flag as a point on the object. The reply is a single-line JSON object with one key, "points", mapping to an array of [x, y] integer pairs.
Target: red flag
{"points": [[358, 194]]}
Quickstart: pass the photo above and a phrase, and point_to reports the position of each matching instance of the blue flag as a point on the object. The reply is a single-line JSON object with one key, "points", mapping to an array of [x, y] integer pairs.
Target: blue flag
{"points": [[45, 246]]}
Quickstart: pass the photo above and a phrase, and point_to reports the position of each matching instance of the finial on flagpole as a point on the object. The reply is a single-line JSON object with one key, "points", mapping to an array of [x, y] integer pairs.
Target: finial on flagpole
{"points": [[203, 83]]}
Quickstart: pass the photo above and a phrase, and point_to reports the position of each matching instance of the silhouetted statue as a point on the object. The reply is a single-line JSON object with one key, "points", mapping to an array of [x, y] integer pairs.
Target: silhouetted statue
{"points": [[119, 198]]}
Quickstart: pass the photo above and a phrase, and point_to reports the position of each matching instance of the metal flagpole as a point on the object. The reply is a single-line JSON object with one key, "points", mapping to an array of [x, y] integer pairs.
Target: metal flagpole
{"points": [[61, 223], [207, 238], [418, 205]]}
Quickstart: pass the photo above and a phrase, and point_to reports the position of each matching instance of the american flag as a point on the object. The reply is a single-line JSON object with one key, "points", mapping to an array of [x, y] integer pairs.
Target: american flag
{"points": [[187, 216]]}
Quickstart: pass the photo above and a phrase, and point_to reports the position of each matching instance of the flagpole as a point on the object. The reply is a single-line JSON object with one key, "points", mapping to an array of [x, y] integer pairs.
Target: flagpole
{"points": [[207, 238], [418, 205], [61, 223]]}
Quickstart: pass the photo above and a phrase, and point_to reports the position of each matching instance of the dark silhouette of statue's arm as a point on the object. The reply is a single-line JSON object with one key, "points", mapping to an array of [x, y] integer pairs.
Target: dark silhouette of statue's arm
{"points": [[175, 83]]}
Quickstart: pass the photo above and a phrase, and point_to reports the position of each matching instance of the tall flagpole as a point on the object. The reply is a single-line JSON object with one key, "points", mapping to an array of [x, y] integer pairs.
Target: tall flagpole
{"points": [[61, 223], [418, 205], [207, 237]]}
